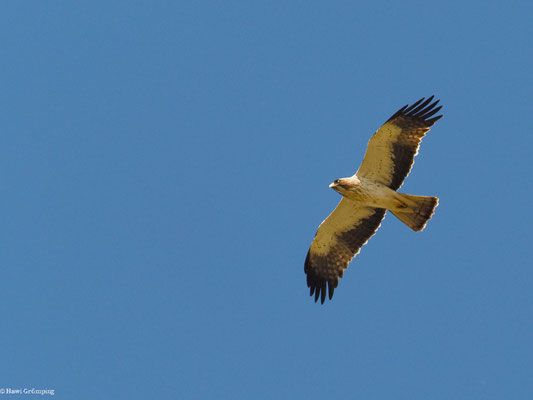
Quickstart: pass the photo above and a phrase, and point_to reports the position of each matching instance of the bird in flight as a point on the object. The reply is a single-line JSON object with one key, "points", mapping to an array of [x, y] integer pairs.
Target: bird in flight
{"points": [[367, 195]]}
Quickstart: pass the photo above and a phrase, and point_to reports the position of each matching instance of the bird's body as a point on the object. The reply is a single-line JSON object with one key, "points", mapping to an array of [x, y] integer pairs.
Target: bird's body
{"points": [[366, 192], [367, 196]]}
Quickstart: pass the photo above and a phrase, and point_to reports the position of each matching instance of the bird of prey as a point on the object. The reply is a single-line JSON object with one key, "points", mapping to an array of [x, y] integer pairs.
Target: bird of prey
{"points": [[367, 195]]}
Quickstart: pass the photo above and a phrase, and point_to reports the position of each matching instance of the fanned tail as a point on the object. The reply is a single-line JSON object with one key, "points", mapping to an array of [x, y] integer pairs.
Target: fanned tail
{"points": [[417, 212]]}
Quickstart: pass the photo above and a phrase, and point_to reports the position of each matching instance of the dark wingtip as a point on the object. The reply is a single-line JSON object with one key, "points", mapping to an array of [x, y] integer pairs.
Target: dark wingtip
{"points": [[421, 111], [409, 109], [318, 286]]}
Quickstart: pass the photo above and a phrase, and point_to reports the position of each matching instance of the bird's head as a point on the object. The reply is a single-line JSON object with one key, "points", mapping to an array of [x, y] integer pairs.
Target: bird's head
{"points": [[343, 185]]}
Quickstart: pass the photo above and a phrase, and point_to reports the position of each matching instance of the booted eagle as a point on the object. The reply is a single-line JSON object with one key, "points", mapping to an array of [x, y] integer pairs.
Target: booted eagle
{"points": [[367, 195]]}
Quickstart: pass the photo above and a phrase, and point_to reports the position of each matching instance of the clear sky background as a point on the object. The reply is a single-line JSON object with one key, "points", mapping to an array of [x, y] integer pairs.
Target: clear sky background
{"points": [[165, 166]]}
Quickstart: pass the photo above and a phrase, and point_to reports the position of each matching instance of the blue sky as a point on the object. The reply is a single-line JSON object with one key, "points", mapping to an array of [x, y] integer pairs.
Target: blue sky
{"points": [[166, 165]]}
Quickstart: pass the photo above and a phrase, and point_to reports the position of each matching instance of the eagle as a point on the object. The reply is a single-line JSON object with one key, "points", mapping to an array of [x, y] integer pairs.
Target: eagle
{"points": [[367, 195]]}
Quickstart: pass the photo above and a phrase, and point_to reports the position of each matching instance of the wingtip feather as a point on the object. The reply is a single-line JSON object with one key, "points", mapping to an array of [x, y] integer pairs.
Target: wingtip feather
{"points": [[409, 109], [421, 110]]}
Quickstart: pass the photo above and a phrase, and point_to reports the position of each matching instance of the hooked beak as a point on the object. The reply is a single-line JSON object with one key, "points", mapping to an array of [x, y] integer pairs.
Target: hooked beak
{"points": [[333, 185]]}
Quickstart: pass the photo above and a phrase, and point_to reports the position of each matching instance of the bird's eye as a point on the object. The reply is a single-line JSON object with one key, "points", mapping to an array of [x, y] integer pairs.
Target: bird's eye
{"points": [[336, 181]]}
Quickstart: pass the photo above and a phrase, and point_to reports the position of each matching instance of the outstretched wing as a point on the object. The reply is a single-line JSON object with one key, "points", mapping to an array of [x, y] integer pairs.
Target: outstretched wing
{"points": [[337, 241], [392, 149]]}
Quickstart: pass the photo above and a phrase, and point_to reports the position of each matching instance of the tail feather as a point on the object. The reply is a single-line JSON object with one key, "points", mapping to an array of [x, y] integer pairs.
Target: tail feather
{"points": [[416, 211]]}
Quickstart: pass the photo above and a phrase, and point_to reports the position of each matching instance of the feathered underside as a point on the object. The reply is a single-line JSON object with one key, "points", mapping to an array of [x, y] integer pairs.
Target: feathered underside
{"points": [[388, 160], [337, 241], [391, 150]]}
